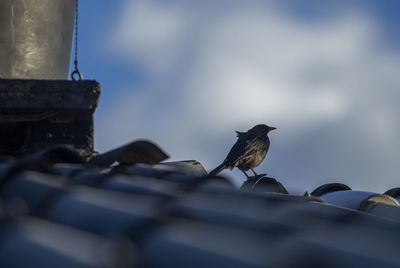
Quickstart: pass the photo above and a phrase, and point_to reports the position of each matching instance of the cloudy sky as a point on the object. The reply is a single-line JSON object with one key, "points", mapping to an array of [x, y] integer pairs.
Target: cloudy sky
{"points": [[186, 74]]}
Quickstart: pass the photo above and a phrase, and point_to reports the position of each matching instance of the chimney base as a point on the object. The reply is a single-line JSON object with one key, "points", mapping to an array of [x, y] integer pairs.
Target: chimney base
{"points": [[35, 114]]}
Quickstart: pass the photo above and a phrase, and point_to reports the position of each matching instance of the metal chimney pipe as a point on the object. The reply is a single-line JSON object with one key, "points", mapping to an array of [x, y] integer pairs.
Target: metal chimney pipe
{"points": [[36, 38]]}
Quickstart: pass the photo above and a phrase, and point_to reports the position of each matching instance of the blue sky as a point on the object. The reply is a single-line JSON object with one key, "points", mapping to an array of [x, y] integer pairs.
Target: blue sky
{"points": [[186, 74]]}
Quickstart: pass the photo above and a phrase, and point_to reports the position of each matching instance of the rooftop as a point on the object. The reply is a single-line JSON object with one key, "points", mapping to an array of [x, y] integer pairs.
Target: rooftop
{"points": [[129, 207]]}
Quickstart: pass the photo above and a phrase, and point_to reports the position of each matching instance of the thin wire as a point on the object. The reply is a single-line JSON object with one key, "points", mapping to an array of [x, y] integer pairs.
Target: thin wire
{"points": [[76, 71], [76, 35]]}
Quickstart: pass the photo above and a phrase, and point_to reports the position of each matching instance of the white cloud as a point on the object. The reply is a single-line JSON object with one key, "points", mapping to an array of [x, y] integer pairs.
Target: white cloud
{"points": [[150, 34], [215, 68]]}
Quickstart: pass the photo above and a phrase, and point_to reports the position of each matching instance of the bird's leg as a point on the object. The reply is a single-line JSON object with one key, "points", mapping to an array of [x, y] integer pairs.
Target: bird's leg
{"points": [[247, 176], [255, 174]]}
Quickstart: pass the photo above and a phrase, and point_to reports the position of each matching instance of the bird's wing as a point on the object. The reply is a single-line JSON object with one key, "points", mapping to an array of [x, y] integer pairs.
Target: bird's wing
{"points": [[244, 148], [252, 147]]}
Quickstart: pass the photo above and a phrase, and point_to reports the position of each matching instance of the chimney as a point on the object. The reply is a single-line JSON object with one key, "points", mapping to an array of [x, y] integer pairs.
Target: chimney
{"points": [[38, 106]]}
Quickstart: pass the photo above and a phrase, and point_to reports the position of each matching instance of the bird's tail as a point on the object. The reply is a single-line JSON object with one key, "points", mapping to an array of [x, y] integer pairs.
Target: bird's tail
{"points": [[217, 170]]}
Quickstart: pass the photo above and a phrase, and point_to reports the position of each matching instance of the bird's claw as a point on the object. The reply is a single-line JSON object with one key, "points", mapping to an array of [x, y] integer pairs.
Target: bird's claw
{"points": [[256, 177]]}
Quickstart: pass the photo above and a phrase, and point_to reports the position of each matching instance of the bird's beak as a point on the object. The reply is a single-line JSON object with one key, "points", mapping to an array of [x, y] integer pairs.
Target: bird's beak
{"points": [[272, 128]]}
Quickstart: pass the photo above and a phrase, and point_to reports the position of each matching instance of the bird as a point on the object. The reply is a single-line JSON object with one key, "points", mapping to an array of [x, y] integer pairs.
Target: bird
{"points": [[248, 152]]}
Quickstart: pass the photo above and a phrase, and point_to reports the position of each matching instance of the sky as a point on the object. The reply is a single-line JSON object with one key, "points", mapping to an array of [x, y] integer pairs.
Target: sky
{"points": [[187, 74]]}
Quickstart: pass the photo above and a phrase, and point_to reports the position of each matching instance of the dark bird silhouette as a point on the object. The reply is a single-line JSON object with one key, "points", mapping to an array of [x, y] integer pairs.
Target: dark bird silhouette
{"points": [[248, 151]]}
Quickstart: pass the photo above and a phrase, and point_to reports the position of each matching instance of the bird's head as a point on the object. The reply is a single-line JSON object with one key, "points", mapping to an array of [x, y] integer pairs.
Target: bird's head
{"points": [[262, 129]]}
